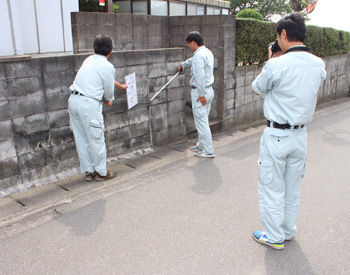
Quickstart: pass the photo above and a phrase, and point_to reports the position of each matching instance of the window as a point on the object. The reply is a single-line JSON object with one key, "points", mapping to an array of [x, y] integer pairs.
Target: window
{"points": [[177, 8], [224, 11], [159, 7], [139, 7], [124, 6], [200, 10], [92, 6], [210, 10], [191, 9]]}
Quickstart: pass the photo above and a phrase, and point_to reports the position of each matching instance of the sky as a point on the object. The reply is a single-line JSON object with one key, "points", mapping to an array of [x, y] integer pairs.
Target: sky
{"points": [[331, 13]]}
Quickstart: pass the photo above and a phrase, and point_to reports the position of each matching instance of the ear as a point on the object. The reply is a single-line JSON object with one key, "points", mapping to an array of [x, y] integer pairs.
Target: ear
{"points": [[284, 34]]}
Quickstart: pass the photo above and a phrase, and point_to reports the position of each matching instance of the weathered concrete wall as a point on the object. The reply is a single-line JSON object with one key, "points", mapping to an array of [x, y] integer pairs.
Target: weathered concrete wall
{"points": [[242, 106], [128, 31], [131, 32], [36, 144]]}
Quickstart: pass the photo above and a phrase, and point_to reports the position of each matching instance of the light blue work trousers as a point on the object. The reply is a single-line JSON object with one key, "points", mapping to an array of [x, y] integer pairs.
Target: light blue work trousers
{"points": [[281, 168], [201, 119], [86, 122]]}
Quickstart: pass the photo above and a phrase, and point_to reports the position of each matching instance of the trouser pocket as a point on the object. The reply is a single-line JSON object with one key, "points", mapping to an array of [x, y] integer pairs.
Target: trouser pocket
{"points": [[96, 129], [265, 170]]}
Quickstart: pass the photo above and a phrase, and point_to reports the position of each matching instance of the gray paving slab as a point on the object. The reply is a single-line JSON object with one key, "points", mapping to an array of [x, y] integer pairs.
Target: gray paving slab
{"points": [[142, 163], [183, 146], [41, 195], [9, 207]]}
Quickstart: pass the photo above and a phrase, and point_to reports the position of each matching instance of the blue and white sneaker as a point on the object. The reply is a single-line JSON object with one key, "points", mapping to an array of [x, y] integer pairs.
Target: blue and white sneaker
{"points": [[196, 148], [260, 237], [202, 154]]}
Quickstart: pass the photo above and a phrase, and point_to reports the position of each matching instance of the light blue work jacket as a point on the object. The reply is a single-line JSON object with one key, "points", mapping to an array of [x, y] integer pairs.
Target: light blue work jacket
{"points": [[290, 84], [202, 66], [95, 78]]}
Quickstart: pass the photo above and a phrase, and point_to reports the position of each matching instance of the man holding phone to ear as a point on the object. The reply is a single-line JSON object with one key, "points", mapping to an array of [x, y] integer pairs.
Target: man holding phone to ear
{"points": [[290, 83]]}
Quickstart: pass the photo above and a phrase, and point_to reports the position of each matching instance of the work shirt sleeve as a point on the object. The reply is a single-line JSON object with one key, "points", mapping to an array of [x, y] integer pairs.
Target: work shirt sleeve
{"points": [[187, 63], [264, 81], [198, 71], [108, 83]]}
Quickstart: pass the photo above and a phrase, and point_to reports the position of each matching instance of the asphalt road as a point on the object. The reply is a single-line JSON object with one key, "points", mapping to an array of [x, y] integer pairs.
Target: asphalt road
{"points": [[196, 216]]}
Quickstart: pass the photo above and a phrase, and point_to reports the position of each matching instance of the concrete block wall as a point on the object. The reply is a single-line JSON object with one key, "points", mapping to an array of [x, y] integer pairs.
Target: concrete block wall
{"points": [[249, 107], [36, 144], [337, 83], [129, 31]]}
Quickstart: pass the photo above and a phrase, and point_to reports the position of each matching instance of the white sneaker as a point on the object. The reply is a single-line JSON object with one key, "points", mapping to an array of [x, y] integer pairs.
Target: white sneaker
{"points": [[204, 155]]}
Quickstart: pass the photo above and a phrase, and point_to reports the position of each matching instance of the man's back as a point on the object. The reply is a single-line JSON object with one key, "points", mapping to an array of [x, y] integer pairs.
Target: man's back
{"points": [[95, 77], [294, 78]]}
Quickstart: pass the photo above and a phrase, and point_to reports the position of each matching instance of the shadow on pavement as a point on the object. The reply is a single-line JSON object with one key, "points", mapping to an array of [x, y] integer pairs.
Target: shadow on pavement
{"points": [[84, 220], [207, 177], [290, 261]]}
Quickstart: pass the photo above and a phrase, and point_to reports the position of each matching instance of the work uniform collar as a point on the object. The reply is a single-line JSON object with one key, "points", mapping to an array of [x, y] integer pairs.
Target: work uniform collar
{"points": [[201, 47], [100, 56], [299, 48]]}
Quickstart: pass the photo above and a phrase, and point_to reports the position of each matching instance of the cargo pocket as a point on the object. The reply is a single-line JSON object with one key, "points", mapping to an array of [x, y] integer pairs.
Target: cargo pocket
{"points": [[96, 129], [265, 170]]}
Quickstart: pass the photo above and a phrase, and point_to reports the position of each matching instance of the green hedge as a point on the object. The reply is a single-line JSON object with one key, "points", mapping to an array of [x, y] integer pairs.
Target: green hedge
{"points": [[253, 37]]}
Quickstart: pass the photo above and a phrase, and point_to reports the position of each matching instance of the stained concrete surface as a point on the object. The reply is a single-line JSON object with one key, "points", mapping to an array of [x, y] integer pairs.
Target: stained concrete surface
{"points": [[194, 216]]}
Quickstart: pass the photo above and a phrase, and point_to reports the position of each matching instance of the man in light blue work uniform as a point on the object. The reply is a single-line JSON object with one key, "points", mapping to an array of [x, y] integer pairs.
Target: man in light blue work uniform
{"points": [[93, 84], [290, 84], [202, 94]]}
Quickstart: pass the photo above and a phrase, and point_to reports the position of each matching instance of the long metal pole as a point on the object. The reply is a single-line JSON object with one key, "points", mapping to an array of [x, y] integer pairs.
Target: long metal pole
{"points": [[153, 97]]}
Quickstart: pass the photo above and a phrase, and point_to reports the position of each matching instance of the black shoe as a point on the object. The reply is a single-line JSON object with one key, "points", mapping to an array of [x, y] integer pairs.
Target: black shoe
{"points": [[90, 176]]}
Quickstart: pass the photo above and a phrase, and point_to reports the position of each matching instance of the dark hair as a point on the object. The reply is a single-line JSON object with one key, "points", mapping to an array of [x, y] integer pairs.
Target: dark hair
{"points": [[196, 37], [103, 44], [294, 25]]}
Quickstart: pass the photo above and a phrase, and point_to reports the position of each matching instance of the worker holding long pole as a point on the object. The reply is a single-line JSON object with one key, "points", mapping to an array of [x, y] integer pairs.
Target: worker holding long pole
{"points": [[202, 94]]}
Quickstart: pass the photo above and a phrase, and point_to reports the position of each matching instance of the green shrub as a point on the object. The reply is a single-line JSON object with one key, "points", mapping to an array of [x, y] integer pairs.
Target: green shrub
{"points": [[250, 13], [253, 37], [115, 7]]}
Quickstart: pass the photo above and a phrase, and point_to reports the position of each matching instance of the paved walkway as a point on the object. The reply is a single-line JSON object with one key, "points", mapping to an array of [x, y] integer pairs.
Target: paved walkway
{"points": [[172, 213]]}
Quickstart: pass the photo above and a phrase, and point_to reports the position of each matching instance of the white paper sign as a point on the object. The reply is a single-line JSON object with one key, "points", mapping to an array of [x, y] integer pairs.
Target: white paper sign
{"points": [[131, 91]]}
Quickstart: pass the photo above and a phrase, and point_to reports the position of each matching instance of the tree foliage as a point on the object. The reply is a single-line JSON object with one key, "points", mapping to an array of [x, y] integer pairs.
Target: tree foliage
{"points": [[249, 13], [298, 5], [253, 37], [266, 8]]}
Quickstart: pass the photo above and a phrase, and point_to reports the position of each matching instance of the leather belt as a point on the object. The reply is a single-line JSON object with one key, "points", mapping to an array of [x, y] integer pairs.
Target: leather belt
{"points": [[194, 87], [283, 126], [76, 93]]}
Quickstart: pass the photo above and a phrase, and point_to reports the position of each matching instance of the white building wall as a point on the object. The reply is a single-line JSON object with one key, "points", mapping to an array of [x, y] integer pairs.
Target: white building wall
{"points": [[6, 45], [38, 26], [27, 22], [68, 6], [50, 26]]}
